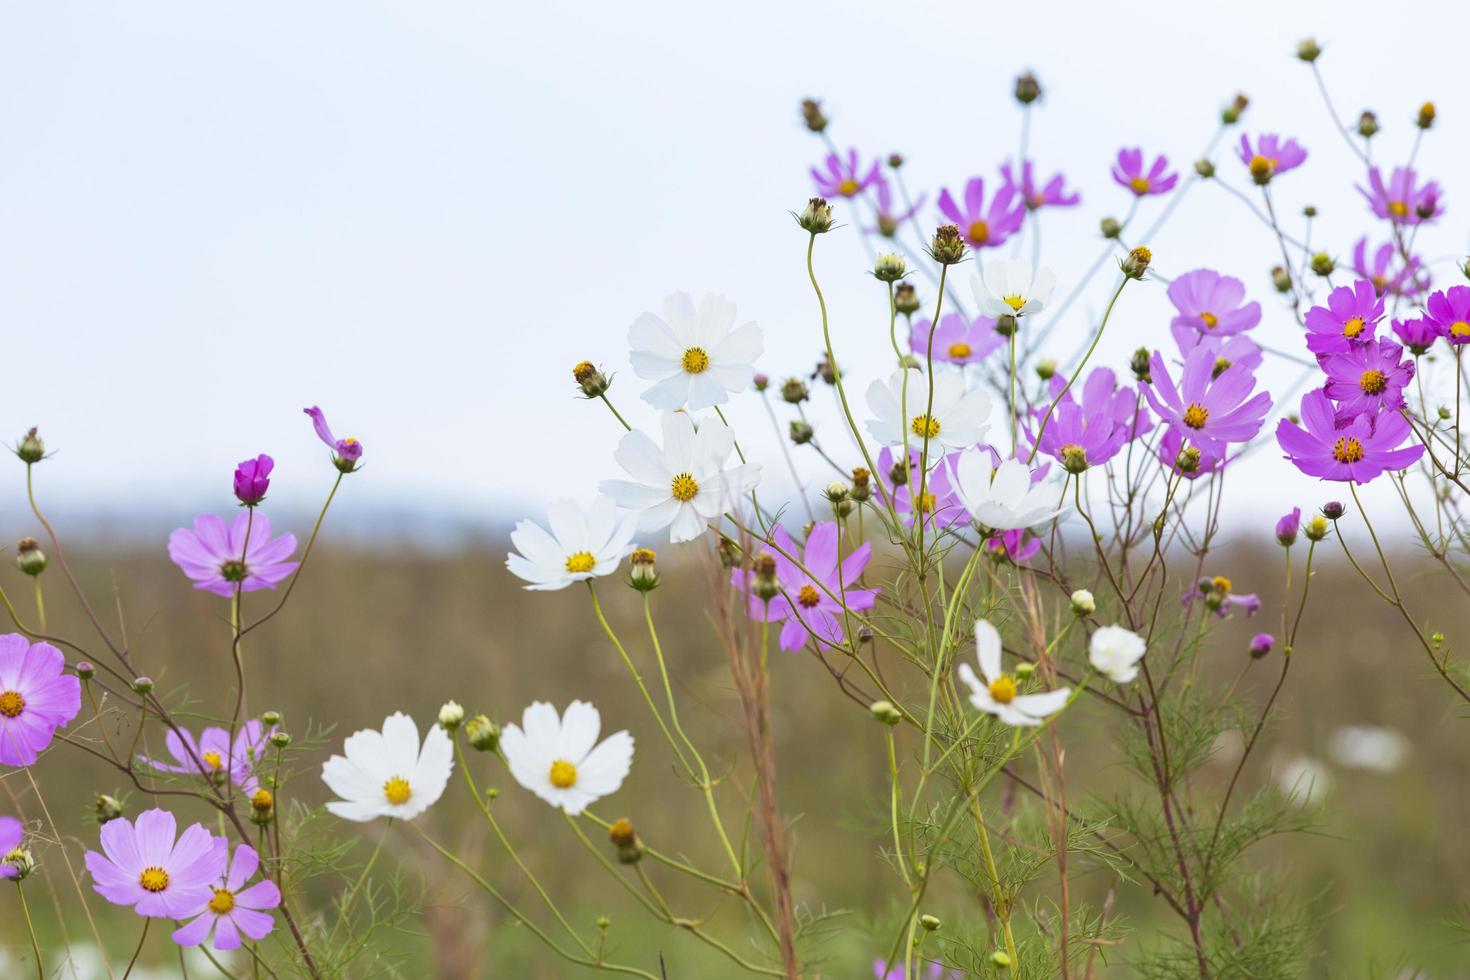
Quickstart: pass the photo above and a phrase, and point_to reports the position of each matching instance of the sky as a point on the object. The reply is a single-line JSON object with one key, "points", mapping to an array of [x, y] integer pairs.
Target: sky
{"points": [[420, 216]]}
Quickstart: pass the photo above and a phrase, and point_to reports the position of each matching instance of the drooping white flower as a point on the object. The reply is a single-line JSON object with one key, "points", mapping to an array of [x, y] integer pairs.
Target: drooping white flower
{"points": [[683, 485], [996, 694], [387, 773], [1012, 288], [1003, 498], [579, 546], [559, 758], [698, 357], [956, 420], [1115, 652]]}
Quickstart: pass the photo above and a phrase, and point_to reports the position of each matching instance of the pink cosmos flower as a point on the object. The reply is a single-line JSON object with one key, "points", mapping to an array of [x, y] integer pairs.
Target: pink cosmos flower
{"points": [[233, 909], [889, 217], [219, 559], [1210, 304], [1349, 318], [1407, 281], [941, 506], [253, 479], [1276, 154], [1418, 334], [1129, 173], [842, 178], [36, 698], [142, 865], [11, 833], [345, 452], [216, 759], [1366, 378], [1013, 545], [1105, 420], [1209, 411], [957, 340], [1360, 451], [1402, 200], [984, 228], [1449, 309], [804, 604], [1052, 194]]}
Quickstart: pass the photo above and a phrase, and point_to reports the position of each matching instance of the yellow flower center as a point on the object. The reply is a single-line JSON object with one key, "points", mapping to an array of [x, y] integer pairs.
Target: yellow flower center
{"points": [[582, 561], [927, 501], [1003, 689], [848, 187], [924, 426], [979, 232], [222, 902], [1460, 329], [1353, 327], [1372, 382], [212, 760], [1221, 583], [1261, 166], [695, 360], [563, 774], [153, 879], [808, 597], [350, 441], [262, 800], [11, 703], [1398, 209], [1015, 302], [960, 350], [396, 791], [684, 486], [1222, 364], [1140, 185], [1347, 450], [1196, 415], [1211, 320]]}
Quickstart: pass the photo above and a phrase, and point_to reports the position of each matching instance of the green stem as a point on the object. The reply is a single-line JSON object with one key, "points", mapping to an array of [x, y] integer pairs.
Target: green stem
{"points": [[25, 911]]}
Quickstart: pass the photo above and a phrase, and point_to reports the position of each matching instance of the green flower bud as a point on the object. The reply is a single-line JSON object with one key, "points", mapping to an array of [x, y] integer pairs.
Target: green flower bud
{"points": [[482, 733], [885, 712]]}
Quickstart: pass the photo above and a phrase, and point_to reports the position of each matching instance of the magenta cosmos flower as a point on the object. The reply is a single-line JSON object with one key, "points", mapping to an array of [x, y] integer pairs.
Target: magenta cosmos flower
{"points": [[233, 909], [253, 479], [957, 340], [1209, 411], [36, 698], [842, 178], [219, 559], [1106, 419], [345, 452], [1349, 318], [1013, 546], [940, 505], [1380, 271], [984, 228], [1271, 157], [142, 865], [11, 833], [1402, 200], [1418, 334], [1366, 378], [889, 216], [212, 756], [1052, 194], [1449, 310], [1211, 305], [1129, 172], [1359, 451], [804, 604]]}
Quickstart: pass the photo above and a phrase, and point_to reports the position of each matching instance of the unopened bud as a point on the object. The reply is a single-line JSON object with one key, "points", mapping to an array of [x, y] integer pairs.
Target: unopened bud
{"points": [[836, 491], [1308, 50], [262, 807], [482, 733], [1188, 460], [1426, 116], [21, 862], [1074, 459], [31, 448], [1261, 645], [270, 718], [801, 432], [1333, 510], [451, 715], [625, 839], [1000, 960], [106, 808], [1135, 263], [898, 474], [1139, 365], [811, 115], [1005, 326], [1204, 167], [1024, 670], [764, 584], [592, 381], [728, 551], [861, 484], [794, 390], [761, 382], [1028, 89], [1309, 211], [1281, 279], [895, 160], [1322, 264], [1046, 368], [1231, 114], [29, 557], [1315, 527], [643, 572], [816, 217], [1111, 227], [281, 740], [929, 922], [1367, 124], [1083, 604], [142, 685], [889, 267], [885, 712], [906, 299], [825, 370], [85, 669], [948, 245]]}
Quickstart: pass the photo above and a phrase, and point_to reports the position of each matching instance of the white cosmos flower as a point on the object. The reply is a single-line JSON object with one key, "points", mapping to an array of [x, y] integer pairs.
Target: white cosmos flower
{"points": [[996, 694], [1003, 499], [684, 485], [698, 357], [1115, 652], [579, 546], [956, 421], [560, 760], [1012, 288], [387, 773]]}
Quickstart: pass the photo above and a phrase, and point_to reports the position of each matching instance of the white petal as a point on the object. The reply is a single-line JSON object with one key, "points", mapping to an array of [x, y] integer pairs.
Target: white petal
{"points": [[987, 649]]}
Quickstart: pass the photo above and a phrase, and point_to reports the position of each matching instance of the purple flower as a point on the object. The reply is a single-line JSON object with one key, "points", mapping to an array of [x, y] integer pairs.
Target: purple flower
{"points": [[253, 479], [1367, 378], [1209, 411], [36, 698], [1349, 318], [982, 228], [345, 452], [1129, 173], [1418, 334], [1400, 200], [145, 867], [212, 756], [1013, 545], [889, 217], [1403, 282], [1359, 451], [1090, 432], [1449, 309], [11, 832], [1210, 304], [804, 604], [1228, 350], [842, 178], [218, 559], [1271, 156], [1288, 526], [1220, 600], [1261, 644], [957, 340], [1051, 194], [233, 908], [940, 505]]}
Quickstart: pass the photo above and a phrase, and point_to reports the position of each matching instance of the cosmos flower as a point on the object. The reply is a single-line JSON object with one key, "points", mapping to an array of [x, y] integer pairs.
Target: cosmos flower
{"points": [[1359, 451], [1366, 378], [1418, 334], [233, 909], [345, 452], [996, 694], [684, 485], [1449, 309], [1288, 527], [559, 758], [36, 698], [843, 178], [216, 758], [242, 556], [982, 227], [1350, 317], [956, 420], [1210, 304], [1219, 598], [1098, 426], [1409, 280], [12, 831], [939, 504], [957, 340], [580, 546], [1209, 411], [1129, 173], [143, 865], [698, 358], [387, 773], [889, 216], [253, 479], [1052, 194], [1271, 157], [806, 603], [1227, 351], [1003, 498], [1013, 545], [1012, 288], [1115, 652], [1402, 201]]}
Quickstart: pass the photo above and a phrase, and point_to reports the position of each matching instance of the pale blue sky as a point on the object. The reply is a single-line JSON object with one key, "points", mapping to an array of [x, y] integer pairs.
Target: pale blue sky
{"points": [[421, 215]]}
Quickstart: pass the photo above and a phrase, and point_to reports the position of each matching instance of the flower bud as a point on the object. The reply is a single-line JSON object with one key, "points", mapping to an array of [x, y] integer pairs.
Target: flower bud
{"points": [[31, 448], [801, 432], [1261, 645], [106, 808], [1135, 263], [1046, 368], [1308, 50], [1204, 167], [1028, 89], [1231, 114], [450, 716], [1428, 205], [948, 245], [262, 807], [816, 217], [1000, 960], [1111, 227], [906, 299], [895, 160], [861, 486], [1367, 124], [142, 685], [835, 491], [728, 551], [1188, 460], [885, 712], [281, 740], [1426, 116], [811, 115], [85, 669], [28, 556], [1315, 528], [482, 733], [1333, 510], [625, 839], [1083, 604], [21, 861], [1465, 268], [1281, 279], [898, 474], [643, 573], [592, 381], [1444, 413], [1139, 365], [889, 267], [1074, 459], [1322, 264], [270, 718], [929, 922], [761, 382], [825, 370], [1005, 326], [1024, 670], [764, 584], [794, 390]]}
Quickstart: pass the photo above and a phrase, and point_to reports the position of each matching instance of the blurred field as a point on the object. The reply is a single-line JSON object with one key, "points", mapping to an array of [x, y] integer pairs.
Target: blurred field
{"points": [[368, 633]]}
